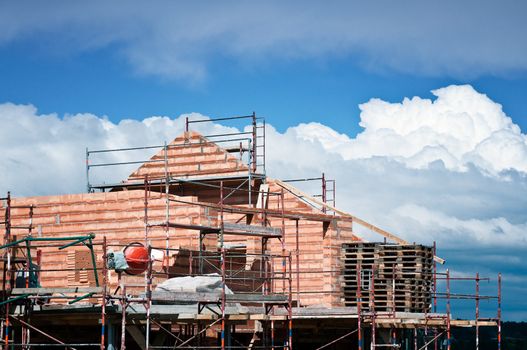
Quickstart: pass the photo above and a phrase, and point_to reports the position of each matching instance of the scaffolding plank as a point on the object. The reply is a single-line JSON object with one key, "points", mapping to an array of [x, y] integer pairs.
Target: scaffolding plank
{"points": [[252, 230], [192, 297], [18, 291]]}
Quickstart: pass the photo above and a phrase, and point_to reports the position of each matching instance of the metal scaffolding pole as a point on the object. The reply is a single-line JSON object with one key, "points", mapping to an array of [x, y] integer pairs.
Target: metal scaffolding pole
{"points": [[297, 252], [290, 303], [223, 304], [249, 173], [148, 304], [372, 306], [477, 311], [148, 272], [223, 272], [499, 311], [167, 209], [435, 289], [124, 305], [359, 307], [448, 334], [324, 192], [103, 298], [283, 241], [7, 269], [254, 144], [88, 187]]}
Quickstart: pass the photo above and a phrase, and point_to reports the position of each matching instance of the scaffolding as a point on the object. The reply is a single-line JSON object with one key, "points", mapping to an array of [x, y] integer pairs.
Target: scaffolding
{"points": [[328, 192], [251, 147], [247, 146], [428, 327], [21, 289], [261, 282], [262, 290], [256, 294]]}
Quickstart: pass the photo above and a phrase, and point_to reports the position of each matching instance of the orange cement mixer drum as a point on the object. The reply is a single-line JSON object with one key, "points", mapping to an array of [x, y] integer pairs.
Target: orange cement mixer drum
{"points": [[136, 256]]}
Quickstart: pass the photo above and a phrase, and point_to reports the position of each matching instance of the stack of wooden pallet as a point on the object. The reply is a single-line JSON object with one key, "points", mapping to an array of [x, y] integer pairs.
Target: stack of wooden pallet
{"points": [[402, 276]]}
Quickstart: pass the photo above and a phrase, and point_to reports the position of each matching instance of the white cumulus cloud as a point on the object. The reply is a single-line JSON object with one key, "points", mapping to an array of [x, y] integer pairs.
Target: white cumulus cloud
{"points": [[45, 154], [459, 127], [450, 230]]}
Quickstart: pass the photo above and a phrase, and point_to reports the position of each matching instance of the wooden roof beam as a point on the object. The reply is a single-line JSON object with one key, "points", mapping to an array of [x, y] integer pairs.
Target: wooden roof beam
{"points": [[359, 221]]}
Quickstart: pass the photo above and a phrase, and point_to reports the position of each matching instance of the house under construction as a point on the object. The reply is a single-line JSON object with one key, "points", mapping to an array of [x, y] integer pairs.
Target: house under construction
{"points": [[199, 249]]}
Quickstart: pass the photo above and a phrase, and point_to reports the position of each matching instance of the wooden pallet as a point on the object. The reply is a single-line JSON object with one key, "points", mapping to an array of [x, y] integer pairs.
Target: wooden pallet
{"points": [[403, 277]]}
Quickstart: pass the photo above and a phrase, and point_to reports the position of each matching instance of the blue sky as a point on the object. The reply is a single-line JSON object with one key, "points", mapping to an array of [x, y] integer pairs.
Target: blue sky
{"points": [[286, 93], [450, 165], [294, 64]]}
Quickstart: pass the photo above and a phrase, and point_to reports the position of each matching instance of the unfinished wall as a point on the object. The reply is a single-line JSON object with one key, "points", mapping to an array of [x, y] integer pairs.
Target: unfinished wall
{"points": [[318, 247], [117, 215], [120, 217], [191, 155]]}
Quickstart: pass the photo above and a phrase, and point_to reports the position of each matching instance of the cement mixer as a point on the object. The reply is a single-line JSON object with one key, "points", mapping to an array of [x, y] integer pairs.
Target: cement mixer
{"points": [[132, 260]]}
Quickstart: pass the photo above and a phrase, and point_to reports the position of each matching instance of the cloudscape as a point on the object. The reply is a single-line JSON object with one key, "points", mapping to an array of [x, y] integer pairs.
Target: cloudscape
{"points": [[416, 110]]}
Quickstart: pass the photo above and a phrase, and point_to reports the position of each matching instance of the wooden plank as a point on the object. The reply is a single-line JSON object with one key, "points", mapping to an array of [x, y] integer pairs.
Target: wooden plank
{"points": [[254, 230], [208, 229], [185, 297], [263, 196], [229, 229], [356, 219], [256, 298], [190, 297], [288, 214], [86, 290]]}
